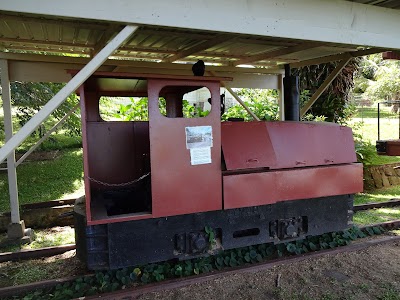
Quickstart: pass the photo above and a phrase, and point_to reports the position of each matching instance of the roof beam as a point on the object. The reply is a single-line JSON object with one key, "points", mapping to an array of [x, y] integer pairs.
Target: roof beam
{"points": [[127, 63], [326, 59], [336, 21], [42, 43], [69, 88], [276, 53], [325, 85], [49, 21], [199, 47], [104, 39]]}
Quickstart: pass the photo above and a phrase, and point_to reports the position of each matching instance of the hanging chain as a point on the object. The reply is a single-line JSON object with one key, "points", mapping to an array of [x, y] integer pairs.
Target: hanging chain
{"points": [[118, 184]]}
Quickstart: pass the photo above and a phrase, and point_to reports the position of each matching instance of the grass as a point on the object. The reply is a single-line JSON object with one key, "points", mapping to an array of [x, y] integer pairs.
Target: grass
{"points": [[56, 236], [365, 123], [24, 272], [374, 216], [379, 195], [38, 181]]}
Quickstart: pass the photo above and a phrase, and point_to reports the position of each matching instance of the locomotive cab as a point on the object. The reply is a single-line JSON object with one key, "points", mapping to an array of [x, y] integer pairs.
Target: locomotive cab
{"points": [[137, 169], [151, 188]]}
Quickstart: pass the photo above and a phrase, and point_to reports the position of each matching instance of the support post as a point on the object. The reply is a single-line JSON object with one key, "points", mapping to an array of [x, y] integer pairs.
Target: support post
{"points": [[281, 100], [69, 88], [379, 122], [16, 229], [8, 128], [325, 84], [291, 95]]}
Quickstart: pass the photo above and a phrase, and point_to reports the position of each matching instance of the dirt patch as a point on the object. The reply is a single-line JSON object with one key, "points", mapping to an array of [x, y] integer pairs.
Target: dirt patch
{"points": [[58, 266], [373, 273]]}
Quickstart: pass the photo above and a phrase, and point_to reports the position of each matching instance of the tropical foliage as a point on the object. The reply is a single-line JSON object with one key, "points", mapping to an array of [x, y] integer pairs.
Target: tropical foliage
{"points": [[378, 79], [263, 103], [334, 102], [30, 97]]}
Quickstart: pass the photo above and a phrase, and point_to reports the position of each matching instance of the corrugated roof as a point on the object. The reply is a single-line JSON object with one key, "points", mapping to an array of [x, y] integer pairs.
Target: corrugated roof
{"points": [[32, 33], [383, 3]]}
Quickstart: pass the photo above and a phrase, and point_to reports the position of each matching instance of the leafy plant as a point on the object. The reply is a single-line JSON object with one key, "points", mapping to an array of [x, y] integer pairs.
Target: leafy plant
{"points": [[263, 103], [108, 281], [137, 110], [333, 102], [210, 234], [29, 97]]}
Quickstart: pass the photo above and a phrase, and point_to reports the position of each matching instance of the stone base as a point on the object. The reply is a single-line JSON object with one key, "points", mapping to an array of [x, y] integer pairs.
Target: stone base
{"points": [[16, 230], [17, 234]]}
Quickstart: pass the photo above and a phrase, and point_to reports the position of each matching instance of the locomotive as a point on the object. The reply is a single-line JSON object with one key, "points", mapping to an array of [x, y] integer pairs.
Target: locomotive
{"points": [[152, 187]]}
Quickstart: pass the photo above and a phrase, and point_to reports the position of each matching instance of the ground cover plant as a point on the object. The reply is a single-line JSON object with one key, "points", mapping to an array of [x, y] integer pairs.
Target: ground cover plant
{"points": [[107, 281]]}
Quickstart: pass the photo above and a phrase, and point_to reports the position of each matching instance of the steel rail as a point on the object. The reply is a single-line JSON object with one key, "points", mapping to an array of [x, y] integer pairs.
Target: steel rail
{"points": [[134, 292], [391, 203], [35, 253]]}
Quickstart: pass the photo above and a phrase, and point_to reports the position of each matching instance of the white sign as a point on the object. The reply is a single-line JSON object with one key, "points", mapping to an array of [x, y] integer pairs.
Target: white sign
{"points": [[200, 156], [199, 141]]}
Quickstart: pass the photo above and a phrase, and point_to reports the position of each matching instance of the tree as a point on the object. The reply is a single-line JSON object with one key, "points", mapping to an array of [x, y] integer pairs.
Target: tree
{"points": [[29, 97], [334, 102]]}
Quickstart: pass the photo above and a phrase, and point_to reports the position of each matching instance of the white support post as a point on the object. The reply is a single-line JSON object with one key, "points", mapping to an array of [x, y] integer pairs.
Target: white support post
{"points": [[325, 85], [69, 88], [8, 128]]}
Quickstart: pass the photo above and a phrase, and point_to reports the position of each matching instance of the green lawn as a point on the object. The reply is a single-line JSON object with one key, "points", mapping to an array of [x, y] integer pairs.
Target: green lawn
{"points": [[379, 195], [46, 180], [377, 215], [365, 123], [374, 216]]}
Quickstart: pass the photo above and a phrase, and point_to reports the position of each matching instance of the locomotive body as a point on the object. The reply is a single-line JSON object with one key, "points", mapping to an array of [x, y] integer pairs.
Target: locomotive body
{"points": [[151, 188]]}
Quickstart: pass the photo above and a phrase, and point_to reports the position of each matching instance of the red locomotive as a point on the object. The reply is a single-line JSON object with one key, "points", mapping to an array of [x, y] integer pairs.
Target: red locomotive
{"points": [[152, 187]]}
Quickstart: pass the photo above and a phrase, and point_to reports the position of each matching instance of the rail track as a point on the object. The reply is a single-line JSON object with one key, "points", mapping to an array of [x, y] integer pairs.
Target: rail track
{"points": [[50, 251], [176, 283], [134, 292]]}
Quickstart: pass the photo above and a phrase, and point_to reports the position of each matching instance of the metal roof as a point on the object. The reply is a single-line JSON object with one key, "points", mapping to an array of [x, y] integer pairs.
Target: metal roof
{"points": [[63, 36], [383, 3]]}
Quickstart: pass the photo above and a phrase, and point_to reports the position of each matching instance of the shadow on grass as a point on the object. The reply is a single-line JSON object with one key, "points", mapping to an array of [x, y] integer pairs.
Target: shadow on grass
{"points": [[45, 180], [378, 195], [23, 272]]}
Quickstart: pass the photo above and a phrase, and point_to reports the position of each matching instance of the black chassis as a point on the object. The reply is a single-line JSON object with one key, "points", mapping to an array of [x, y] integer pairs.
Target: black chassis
{"points": [[131, 243]]}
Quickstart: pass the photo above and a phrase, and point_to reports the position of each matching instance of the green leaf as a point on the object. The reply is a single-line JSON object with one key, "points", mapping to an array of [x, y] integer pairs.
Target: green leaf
{"points": [[312, 246], [324, 245], [370, 231], [376, 230], [333, 244], [291, 248]]}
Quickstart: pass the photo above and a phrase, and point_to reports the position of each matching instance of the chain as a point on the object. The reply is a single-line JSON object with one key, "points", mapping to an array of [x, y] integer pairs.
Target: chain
{"points": [[118, 184]]}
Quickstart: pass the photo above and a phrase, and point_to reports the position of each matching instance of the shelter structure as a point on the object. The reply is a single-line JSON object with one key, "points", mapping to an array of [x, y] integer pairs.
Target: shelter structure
{"points": [[248, 41]]}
